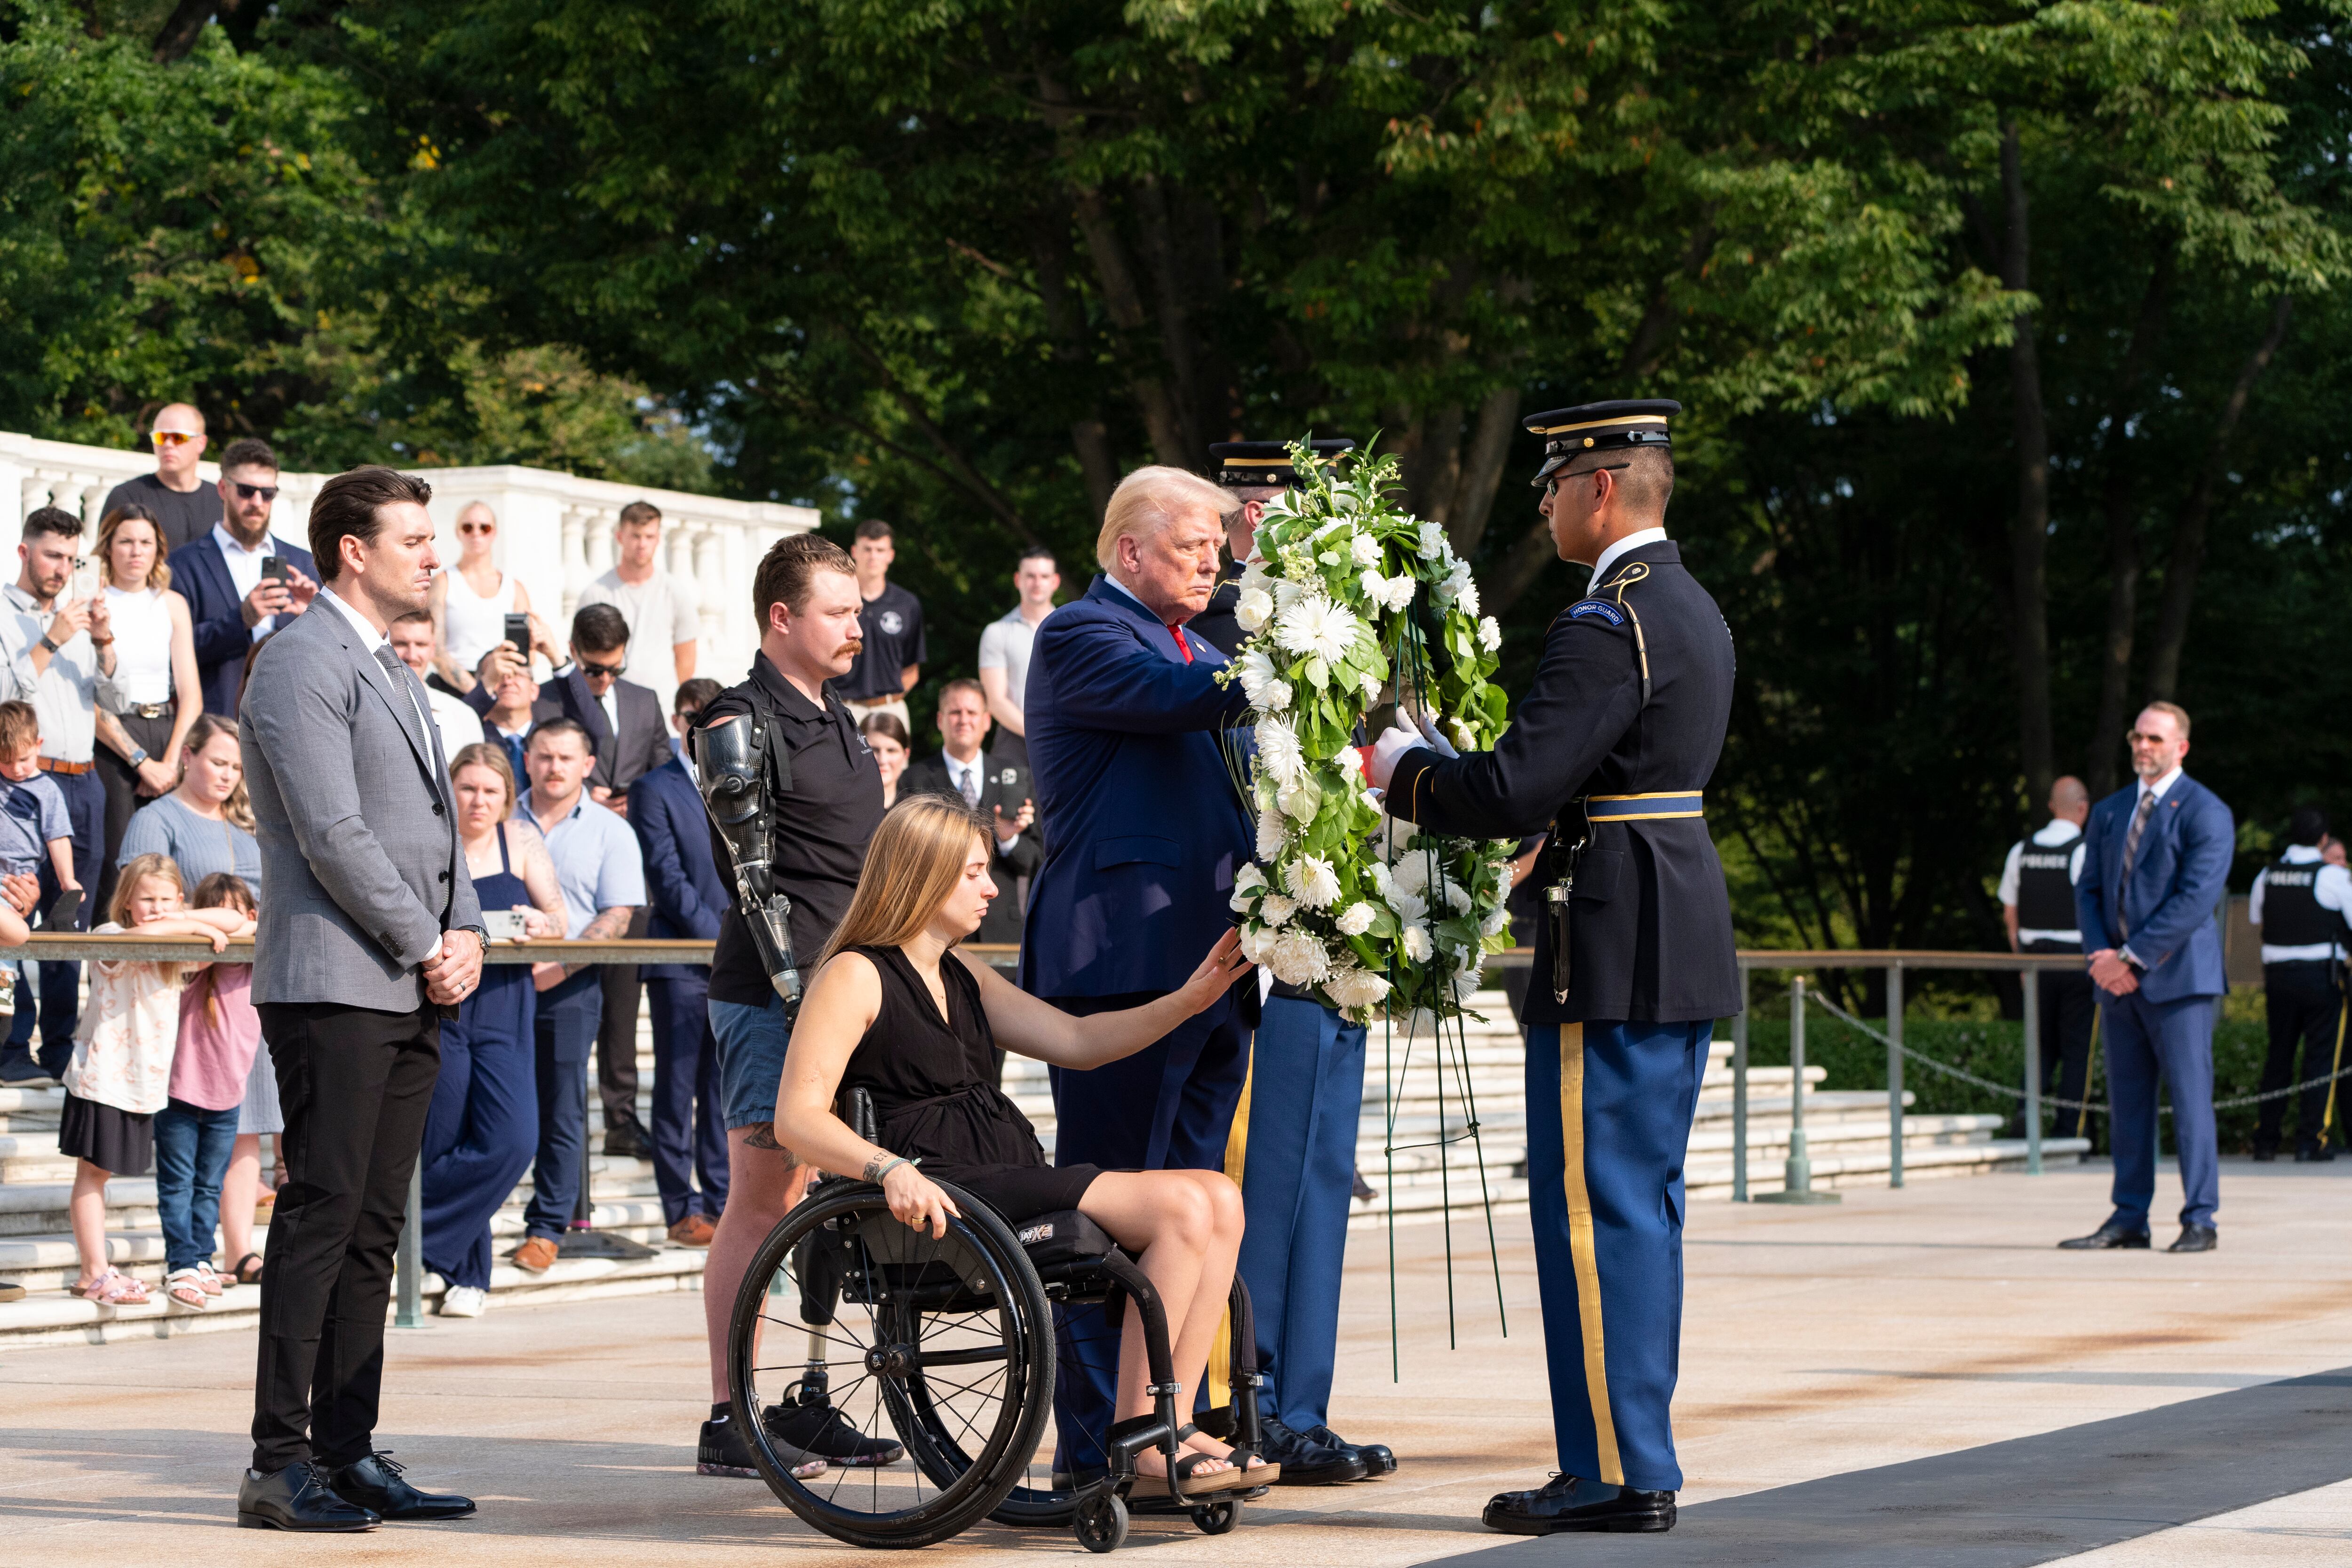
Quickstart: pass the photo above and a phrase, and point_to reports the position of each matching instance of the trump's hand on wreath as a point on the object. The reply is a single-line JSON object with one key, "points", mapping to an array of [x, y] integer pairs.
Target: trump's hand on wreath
{"points": [[452, 973], [1390, 746]]}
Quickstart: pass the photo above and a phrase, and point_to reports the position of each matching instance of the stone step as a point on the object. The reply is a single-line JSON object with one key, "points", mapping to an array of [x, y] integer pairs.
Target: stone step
{"points": [[1865, 1164]]}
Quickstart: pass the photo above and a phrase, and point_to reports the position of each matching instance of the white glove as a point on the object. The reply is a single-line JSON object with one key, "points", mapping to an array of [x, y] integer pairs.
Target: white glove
{"points": [[1432, 733], [1390, 746]]}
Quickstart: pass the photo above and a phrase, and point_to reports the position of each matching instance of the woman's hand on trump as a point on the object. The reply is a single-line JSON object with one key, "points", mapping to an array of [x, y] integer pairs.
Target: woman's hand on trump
{"points": [[1216, 975]]}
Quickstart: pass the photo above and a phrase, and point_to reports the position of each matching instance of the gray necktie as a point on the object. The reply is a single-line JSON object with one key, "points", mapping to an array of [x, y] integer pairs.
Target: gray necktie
{"points": [[971, 786], [400, 675], [2131, 850]]}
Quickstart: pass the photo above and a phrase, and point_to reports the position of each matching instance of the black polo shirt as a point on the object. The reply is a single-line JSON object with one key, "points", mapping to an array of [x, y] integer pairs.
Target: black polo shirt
{"points": [[181, 517], [820, 830], [892, 625]]}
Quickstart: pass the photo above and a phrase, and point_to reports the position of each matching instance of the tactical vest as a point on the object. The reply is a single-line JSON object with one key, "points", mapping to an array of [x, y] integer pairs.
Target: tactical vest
{"points": [[2046, 887], [2292, 913]]}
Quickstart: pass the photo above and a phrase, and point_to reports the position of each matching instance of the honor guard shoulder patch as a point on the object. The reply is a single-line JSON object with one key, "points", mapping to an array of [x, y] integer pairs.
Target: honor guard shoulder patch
{"points": [[1602, 608]]}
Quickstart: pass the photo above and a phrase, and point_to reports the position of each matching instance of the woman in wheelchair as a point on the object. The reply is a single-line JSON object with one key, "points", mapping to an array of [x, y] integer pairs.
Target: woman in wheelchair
{"points": [[896, 1010]]}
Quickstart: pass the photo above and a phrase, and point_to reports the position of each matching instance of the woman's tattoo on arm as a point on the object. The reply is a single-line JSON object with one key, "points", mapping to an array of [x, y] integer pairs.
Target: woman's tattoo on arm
{"points": [[874, 1166]]}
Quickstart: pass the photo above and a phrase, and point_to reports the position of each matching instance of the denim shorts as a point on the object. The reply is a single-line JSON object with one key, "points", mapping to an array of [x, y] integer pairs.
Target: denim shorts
{"points": [[751, 1042]]}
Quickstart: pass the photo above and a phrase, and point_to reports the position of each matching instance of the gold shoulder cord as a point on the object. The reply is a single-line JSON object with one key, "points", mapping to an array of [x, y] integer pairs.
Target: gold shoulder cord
{"points": [[1635, 572]]}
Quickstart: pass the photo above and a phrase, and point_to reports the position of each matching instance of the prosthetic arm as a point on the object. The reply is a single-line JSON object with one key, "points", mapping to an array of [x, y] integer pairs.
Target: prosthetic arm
{"points": [[729, 765]]}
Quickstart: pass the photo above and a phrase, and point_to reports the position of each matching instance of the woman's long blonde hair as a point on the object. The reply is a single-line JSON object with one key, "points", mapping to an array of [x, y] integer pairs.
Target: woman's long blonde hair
{"points": [[208, 728], [159, 575], [916, 860]]}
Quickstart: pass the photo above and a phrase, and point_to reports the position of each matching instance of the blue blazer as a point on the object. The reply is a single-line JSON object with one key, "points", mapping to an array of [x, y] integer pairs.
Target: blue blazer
{"points": [[1143, 828], [2179, 878], [682, 881], [200, 575]]}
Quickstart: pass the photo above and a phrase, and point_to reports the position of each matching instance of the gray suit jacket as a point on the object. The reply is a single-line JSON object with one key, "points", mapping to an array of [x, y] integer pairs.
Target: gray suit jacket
{"points": [[359, 845]]}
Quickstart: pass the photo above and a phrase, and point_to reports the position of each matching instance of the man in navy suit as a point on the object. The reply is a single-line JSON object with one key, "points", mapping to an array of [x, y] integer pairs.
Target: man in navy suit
{"points": [[687, 899], [231, 604], [1144, 831], [2156, 864]]}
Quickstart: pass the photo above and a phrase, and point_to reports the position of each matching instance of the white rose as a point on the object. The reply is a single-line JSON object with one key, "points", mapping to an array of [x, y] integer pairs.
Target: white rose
{"points": [[1432, 541], [1456, 896], [1252, 943], [1287, 594], [1490, 633], [1417, 945], [1275, 910], [1253, 609], [1355, 919], [1249, 876], [1365, 550]]}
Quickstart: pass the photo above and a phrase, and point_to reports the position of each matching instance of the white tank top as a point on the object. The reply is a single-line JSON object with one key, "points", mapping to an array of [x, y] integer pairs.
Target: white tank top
{"points": [[142, 644], [473, 624]]}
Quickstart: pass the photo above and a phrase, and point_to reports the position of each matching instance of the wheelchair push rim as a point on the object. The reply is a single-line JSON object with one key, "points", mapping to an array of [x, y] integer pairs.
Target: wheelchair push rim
{"points": [[942, 1344]]}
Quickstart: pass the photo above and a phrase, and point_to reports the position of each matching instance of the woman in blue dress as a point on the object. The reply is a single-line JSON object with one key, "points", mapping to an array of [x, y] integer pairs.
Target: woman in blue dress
{"points": [[483, 1126]]}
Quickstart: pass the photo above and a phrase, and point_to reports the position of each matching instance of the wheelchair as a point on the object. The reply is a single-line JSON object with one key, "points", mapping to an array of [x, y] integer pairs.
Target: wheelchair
{"points": [[950, 1346]]}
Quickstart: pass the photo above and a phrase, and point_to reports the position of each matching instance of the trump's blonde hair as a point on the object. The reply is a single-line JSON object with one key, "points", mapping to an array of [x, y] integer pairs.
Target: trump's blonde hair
{"points": [[1148, 501]]}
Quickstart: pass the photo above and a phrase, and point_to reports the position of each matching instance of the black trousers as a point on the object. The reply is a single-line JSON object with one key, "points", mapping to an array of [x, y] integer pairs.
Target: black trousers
{"points": [[616, 1037], [2304, 1004], [2069, 1006], [355, 1084], [120, 781]]}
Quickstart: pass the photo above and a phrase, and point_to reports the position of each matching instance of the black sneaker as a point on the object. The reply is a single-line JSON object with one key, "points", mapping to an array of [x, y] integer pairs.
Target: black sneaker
{"points": [[724, 1451], [826, 1434]]}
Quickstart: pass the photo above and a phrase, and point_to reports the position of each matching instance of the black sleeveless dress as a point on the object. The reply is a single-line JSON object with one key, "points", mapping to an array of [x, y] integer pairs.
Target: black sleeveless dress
{"points": [[932, 1082]]}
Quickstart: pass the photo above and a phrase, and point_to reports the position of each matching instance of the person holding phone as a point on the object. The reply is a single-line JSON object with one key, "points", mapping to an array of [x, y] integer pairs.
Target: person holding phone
{"points": [[476, 603], [241, 581], [145, 711]]}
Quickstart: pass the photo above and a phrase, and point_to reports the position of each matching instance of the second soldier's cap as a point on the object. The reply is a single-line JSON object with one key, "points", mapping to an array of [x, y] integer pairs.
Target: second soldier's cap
{"points": [[1569, 433], [1247, 463]]}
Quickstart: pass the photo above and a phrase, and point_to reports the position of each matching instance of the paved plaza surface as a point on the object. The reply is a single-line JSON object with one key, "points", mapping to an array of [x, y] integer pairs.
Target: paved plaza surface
{"points": [[1911, 1377]]}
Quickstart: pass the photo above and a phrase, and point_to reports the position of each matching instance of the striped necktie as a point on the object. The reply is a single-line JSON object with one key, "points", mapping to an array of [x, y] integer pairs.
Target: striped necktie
{"points": [[2131, 853]]}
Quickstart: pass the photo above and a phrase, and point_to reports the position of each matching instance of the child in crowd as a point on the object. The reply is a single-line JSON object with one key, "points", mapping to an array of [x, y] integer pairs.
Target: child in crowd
{"points": [[197, 1129], [33, 821], [121, 1067]]}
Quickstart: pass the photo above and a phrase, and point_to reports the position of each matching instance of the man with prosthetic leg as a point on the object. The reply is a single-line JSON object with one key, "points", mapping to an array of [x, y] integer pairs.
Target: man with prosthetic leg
{"points": [[1293, 1146], [1610, 752], [793, 795]]}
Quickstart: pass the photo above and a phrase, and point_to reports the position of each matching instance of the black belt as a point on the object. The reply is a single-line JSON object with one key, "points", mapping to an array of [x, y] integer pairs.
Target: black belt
{"points": [[146, 710]]}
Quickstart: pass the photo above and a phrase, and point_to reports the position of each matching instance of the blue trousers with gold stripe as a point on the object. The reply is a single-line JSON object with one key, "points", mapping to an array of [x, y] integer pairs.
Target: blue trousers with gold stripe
{"points": [[1609, 1119]]}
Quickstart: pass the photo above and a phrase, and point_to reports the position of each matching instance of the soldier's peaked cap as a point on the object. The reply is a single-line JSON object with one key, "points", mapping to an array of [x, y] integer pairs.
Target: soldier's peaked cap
{"points": [[1245, 463], [1569, 433]]}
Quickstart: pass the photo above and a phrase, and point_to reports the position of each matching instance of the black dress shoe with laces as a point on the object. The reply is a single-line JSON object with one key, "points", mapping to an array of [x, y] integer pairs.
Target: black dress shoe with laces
{"points": [[1305, 1462], [297, 1498], [1378, 1458], [2107, 1238], [1565, 1503], [375, 1484], [2195, 1238]]}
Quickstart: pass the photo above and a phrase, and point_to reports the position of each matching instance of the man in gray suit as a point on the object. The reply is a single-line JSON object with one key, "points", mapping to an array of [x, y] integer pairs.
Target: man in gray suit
{"points": [[369, 931]]}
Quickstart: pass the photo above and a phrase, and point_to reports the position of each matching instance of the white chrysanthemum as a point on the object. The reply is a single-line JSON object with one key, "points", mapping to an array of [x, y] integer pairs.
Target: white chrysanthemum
{"points": [[1466, 601], [1490, 633], [1277, 697], [1457, 591], [1256, 671], [1398, 592], [1433, 540], [1279, 751], [1417, 945], [1497, 919], [1371, 684], [1314, 882], [1456, 896], [1463, 740], [1297, 958], [1270, 829], [1465, 983], [1275, 910], [1365, 550], [1411, 873], [1351, 987], [1411, 908], [1381, 878], [1253, 609], [1316, 626], [1355, 919], [1504, 879]]}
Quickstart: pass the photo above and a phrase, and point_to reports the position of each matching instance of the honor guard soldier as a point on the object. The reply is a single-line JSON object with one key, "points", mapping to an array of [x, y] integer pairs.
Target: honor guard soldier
{"points": [[1610, 752], [2037, 898], [1292, 1148], [2300, 903]]}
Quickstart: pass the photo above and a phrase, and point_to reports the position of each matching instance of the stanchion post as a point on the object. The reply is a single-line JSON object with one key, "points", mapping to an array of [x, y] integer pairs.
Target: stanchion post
{"points": [[409, 1313], [1797, 1183], [1739, 1092], [1894, 1075], [2031, 986]]}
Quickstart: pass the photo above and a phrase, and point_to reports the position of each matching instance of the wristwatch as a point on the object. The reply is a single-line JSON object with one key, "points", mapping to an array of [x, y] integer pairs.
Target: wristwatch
{"points": [[138, 755], [50, 643]]}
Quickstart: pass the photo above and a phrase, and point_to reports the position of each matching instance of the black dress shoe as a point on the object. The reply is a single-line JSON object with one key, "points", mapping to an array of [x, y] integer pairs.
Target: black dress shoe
{"points": [[626, 1143], [375, 1483], [1306, 1462], [2313, 1155], [2107, 1238], [297, 1497], [1378, 1459], [1565, 1503], [2195, 1238]]}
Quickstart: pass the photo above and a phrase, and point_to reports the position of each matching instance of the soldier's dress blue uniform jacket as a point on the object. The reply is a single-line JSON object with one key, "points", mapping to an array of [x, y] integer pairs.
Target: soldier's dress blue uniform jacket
{"points": [[2163, 912], [1613, 1068], [1144, 831]]}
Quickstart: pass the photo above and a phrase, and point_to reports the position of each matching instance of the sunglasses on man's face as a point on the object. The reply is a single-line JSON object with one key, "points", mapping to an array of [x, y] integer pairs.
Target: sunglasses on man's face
{"points": [[2141, 738], [253, 492], [470, 529], [171, 438], [599, 671]]}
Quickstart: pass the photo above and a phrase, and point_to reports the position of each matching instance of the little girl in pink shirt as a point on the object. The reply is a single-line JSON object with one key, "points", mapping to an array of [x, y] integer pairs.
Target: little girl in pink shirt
{"points": [[197, 1129]]}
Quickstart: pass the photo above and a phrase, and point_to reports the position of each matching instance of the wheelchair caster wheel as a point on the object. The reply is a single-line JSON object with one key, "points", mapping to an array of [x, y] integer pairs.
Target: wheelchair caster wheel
{"points": [[1218, 1518], [1100, 1524]]}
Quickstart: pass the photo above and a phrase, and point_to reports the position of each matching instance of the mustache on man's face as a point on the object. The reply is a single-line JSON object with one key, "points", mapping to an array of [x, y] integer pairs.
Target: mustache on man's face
{"points": [[853, 647]]}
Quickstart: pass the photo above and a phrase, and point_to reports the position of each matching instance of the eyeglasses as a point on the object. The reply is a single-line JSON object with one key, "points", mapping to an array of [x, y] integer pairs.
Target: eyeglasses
{"points": [[2141, 738], [1551, 485], [599, 671], [474, 528], [172, 438], [253, 492]]}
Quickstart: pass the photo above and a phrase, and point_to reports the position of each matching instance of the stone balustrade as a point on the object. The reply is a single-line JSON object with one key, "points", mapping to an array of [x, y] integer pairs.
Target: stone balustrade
{"points": [[555, 532]]}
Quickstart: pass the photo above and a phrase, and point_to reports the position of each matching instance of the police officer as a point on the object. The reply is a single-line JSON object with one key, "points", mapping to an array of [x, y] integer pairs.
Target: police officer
{"points": [[2037, 898], [1293, 1147], [1612, 751], [2300, 903]]}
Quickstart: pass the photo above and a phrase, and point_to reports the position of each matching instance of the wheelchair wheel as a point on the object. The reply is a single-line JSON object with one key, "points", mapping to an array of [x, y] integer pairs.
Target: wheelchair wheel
{"points": [[1100, 1523], [946, 1343], [1218, 1518]]}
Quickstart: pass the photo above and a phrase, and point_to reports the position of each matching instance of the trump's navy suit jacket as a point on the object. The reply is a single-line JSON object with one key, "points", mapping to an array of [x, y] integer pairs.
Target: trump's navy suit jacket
{"points": [[1143, 828], [682, 882], [216, 610], [2166, 911]]}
